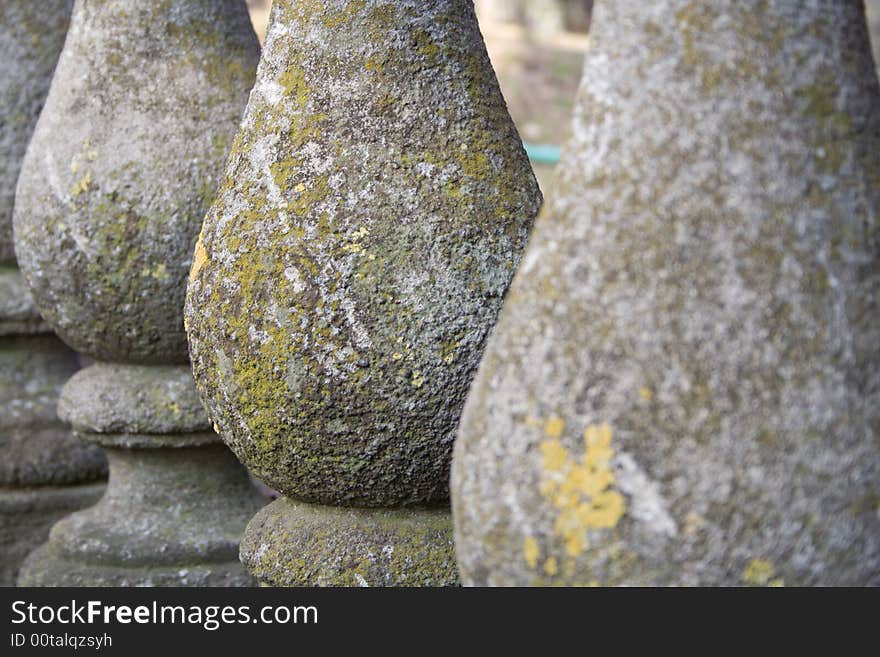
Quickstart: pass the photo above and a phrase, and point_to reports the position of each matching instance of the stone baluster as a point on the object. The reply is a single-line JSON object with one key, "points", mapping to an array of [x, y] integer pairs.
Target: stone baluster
{"points": [[44, 472], [683, 385], [376, 203], [121, 169]]}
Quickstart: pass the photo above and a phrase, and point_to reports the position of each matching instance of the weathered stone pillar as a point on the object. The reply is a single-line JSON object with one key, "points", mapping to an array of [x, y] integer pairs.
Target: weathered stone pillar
{"points": [[121, 169], [44, 472], [375, 206], [684, 385]]}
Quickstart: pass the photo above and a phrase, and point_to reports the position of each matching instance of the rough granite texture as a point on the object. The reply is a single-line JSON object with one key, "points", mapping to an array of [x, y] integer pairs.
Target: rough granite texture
{"points": [[123, 164], [376, 203], [292, 543], [684, 385], [31, 37], [173, 513]]}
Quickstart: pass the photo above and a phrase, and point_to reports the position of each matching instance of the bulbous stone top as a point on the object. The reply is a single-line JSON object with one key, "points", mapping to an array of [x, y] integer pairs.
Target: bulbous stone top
{"points": [[123, 164], [31, 36], [138, 399], [684, 385], [376, 202]]}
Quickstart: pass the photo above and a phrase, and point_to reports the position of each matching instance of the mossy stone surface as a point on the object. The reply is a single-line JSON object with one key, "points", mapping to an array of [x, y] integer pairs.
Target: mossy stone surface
{"points": [[31, 37], [684, 385], [291, 543], [123, 163], [376, 203]]}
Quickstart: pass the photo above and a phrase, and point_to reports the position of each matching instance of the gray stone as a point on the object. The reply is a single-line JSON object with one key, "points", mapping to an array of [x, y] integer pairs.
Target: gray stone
{"points": [[27, 514], [18, 315], [31, 36], [121, 168], [174, 510], [297, 544], [684, 385], [37, 449], [872, 12], [376, 202], [123, 164], [44, 472]]}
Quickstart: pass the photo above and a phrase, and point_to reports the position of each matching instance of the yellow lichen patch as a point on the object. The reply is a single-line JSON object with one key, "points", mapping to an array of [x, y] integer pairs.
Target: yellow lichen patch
{"points": [[555, 456], [336, 19], [199, 259], [417, 379], [759, 572], [581, 491], [374, 64], [646, 393], [554, 427], [531, 551], [551, 567], [82, 185]]}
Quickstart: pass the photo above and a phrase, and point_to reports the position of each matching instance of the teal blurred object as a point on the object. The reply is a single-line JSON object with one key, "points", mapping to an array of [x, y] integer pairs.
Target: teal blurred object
{"points": [[542, 153]]}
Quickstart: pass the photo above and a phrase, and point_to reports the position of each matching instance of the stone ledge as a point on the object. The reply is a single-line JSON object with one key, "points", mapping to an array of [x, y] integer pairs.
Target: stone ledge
{"points": [[133, 399]]}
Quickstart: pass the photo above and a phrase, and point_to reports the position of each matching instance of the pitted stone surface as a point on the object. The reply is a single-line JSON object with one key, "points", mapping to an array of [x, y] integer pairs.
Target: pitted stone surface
{"points": [[122, 166], [376, 202], [684, 385], [296, 544], [31, 37], [150, 399]]}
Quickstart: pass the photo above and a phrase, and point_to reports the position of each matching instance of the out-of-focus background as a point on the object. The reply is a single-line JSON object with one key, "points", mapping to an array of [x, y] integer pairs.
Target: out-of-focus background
{"points": [[536, 48]]}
